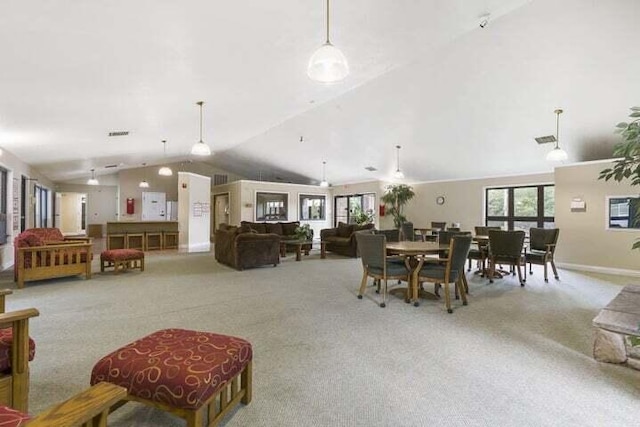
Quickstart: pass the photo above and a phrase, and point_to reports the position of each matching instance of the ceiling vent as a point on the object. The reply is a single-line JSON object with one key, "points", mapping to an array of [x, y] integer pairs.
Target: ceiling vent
{"points": [[119, 133], [371, 168], [110, 166]]}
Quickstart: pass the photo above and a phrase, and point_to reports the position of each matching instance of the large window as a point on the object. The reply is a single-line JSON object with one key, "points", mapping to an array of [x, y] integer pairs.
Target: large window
{"points": [[41, 214], [4, 194], [624, 212], [312, 207], [272, 206], [520, 208]]}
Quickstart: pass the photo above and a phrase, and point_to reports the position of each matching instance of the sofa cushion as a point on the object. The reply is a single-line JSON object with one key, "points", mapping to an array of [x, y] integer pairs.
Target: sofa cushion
{"points": [[259, 227], [10, 417], [27, 239], [289, 228], [344, 230], [337, 240], [275, 228], [6, 338], [245, 228]]}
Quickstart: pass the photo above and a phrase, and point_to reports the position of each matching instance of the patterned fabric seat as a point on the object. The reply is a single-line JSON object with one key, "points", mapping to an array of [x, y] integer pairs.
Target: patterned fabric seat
{"points": [[179, 369], [6, 338], [12, 418], [122, 259]]}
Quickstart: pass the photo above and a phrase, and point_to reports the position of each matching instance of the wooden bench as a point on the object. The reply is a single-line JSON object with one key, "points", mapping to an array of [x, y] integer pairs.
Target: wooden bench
{"points": [[617, 329]]}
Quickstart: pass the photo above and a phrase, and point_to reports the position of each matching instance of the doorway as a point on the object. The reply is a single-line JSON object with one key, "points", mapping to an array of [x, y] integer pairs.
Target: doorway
{"points": [[346, 207], [72, 212], [221, 210]]}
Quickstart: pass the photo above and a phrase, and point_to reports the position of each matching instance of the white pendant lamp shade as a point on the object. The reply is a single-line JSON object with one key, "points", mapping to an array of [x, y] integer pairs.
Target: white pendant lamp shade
{"points": [[144, 183], [200, 148], [165, 170], [328, 64], [324, 182], [93, 180], [557, 154], [398, 173]]}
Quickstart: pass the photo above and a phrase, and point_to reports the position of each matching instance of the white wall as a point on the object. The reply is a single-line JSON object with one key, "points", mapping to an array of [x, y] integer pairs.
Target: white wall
{"points": [[194, 212]]}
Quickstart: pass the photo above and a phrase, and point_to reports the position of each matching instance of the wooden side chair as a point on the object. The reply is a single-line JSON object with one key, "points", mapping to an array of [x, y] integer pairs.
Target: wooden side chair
{"points": [[451, 270], [505, 247], [408, 233], [377, 265], [16, 350], [542, 247]]}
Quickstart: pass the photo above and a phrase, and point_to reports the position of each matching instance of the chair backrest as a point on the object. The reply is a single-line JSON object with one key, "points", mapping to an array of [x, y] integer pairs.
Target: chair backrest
{"points": [[458, 251], [372, 248], [539, 238], [444, 237], [507, 243], [484, 231], [407, 231], [453, 228], [392, 235], [438, 225]]}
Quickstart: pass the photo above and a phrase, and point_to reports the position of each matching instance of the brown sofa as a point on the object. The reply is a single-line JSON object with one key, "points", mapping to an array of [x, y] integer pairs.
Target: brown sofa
{"points": [[286, 231], [240, 247], [342, 239]]}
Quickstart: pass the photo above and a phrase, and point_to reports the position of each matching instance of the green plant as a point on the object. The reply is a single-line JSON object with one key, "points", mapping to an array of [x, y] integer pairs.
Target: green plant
{"points": [[628, 153], [396, 197], [361, 217], [303, 232]]}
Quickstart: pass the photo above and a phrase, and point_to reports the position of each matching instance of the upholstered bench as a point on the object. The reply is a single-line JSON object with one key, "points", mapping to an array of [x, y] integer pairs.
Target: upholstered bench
{"points": [[187, 373], [122, 259], [10, 417]]}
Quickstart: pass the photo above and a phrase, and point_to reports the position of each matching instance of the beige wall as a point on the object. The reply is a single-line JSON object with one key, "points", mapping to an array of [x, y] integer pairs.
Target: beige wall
{"points": [[584, 241], [102, 200], [464, 200]]}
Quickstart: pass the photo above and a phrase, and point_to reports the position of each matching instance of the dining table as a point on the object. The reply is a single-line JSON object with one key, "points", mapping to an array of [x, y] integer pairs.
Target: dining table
{"points": [[415, 254]]}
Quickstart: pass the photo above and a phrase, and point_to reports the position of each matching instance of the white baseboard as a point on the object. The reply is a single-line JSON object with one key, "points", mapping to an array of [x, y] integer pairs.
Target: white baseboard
{"points": [[598, 269]]}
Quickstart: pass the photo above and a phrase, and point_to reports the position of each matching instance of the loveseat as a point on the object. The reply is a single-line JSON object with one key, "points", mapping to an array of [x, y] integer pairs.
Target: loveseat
{"points": [[286, 231], [342, 239], [44, 253], [241, 247]]}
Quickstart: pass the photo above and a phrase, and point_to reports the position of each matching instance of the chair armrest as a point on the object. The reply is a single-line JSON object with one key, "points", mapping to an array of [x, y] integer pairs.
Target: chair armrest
{"points": [[91, 404], [15, 316], [328, 232], [3, 293], [78, 239]]}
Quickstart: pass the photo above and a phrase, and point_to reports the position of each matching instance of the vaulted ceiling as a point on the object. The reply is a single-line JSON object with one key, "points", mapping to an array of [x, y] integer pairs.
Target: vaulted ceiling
{"points": [[462, 101]]}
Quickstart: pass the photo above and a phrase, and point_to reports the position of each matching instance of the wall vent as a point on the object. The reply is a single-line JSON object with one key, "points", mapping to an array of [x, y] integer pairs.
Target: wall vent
{"points": [[220, 179], [119, 133]]}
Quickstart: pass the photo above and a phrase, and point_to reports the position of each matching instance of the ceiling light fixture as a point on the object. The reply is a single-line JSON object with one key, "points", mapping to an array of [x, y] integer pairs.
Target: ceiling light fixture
{"points": [[398, 173], [165, 170], [328, 64], [200, 148], [324, 182], [93, 180], [144, 183], [557, 154]]}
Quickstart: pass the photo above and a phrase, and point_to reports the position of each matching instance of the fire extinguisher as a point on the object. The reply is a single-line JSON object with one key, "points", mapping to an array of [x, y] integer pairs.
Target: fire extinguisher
{"points": [[381, 210], [130, 206]]}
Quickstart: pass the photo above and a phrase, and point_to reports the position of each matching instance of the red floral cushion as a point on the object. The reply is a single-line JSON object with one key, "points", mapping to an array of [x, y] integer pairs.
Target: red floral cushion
{"points": [[121, 255], [48, 234], [177, 367], [11, 418], [6, 338]]}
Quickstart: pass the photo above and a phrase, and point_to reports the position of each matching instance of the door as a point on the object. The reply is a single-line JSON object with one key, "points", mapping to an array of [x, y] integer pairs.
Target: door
{"points": [[221, 212], [154, 205], [346, 207]]}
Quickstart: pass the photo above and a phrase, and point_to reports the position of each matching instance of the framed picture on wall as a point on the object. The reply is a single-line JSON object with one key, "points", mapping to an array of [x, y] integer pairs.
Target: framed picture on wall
{"points": [[272, 206], [312, 207]]}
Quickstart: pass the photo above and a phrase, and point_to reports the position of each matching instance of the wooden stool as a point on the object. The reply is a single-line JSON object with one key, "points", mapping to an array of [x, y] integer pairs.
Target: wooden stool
{"points": [[135, 241], [170, 240], [153, 241], [188, 373], [122, 259]]}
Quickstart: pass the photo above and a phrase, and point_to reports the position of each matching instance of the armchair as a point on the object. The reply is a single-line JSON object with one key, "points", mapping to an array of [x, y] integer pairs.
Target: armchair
{"points": [[542, 247], [505, 247], [16, 350], [242, 249], [342, 239]]}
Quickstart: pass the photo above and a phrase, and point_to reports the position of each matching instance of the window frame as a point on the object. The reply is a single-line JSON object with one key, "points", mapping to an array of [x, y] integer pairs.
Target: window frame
{"points": [[607, 216], [323, 212], [540, 219]]}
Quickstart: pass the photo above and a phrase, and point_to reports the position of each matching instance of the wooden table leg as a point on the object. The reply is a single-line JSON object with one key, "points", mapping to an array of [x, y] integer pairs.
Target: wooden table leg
{"points": [[298, 252], [323, 250], [283, 249]]}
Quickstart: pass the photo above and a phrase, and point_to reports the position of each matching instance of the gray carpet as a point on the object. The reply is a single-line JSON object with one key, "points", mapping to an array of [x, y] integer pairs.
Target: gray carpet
{"points": [[513, 357]]}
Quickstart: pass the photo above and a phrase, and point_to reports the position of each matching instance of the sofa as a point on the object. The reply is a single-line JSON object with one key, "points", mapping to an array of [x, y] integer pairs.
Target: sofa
{"points": [[241, 247], [286, 231], [44, 253], [342, 239]]}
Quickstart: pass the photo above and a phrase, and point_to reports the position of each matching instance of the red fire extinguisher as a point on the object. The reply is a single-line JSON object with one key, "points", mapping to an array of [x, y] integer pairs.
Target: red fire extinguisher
{"points": [[381, 211], [130, 206]]}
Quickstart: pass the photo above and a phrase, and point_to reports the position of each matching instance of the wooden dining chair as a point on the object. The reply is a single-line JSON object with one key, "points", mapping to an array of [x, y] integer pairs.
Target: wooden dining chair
{"points": [[451, 270], [542, 247], [505, 247], [377, 265]]}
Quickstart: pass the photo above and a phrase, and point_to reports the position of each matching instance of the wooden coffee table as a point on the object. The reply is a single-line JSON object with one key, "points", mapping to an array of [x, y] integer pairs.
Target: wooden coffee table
{"points": [[298, 244]]}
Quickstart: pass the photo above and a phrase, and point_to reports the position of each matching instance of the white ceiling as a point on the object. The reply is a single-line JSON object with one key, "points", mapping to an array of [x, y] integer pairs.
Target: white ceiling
{"points": [[423, 75]]}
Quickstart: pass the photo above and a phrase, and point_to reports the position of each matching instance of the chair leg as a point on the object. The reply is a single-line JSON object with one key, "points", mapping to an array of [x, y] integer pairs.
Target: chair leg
{"points": [[546, 279], [555, 271], [363, 285], [492, 270], [436, 289], [460, 284], [447, 298], [383, 304], [465, 283], [469, 269], [530, 267], [517, 267]]}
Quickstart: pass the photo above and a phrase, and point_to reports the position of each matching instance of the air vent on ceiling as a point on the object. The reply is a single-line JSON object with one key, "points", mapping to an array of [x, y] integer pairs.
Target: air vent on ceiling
{"points": [[545, 139], [219, 179], [110, 166], [371, 168], [119, 133]]}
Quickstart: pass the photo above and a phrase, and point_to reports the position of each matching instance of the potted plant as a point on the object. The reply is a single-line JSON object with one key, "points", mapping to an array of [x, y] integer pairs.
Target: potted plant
{"points": [[396, 197], [628, 153], [361, 217], [303, 232]]}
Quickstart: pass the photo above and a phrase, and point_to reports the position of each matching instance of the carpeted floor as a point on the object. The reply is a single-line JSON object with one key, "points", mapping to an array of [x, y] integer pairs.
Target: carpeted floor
{"points": [[513, 357]]}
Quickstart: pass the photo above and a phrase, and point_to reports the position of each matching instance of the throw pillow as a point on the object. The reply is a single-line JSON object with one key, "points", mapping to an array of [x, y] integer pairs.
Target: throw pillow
{"points": [[275, 228], [344, 230], [289, 228]]}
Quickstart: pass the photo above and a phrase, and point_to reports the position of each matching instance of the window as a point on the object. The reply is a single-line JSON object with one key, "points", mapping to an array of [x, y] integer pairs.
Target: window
{"points": [[272, 206], [624, 212], [348, 208], [520, 208], [4, 194], [41, 197], [312, 207]]}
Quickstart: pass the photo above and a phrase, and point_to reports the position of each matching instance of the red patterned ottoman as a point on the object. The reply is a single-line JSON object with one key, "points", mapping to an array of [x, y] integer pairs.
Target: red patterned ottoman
{"points": [[122, 259], [11, 418], [188, 373]]}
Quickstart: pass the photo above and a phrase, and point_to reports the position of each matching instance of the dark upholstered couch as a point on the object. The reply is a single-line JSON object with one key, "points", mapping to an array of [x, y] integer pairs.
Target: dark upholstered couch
{"points": [[286, 230], [240, 247], [342, 239]]}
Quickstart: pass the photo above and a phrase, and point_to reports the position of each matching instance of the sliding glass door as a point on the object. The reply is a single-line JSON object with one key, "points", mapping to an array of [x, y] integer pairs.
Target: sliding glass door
{"points": [[348, 206]]}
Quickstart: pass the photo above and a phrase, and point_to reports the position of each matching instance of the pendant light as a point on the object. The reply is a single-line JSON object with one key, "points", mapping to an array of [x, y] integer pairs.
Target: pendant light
{"points": [[324, 182], [200, 148], [93, 180], [165, 170], [144, 183], [557, 154], [327, 64], [398, 173]]}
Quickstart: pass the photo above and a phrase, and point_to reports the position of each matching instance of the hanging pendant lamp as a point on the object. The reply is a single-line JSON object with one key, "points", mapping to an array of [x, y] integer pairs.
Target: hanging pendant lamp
{"points": [[144, 183], [165, 170], [398, 173], [200, 148], [324, 182], [93, 180], [328, 64], [557, 154]]}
